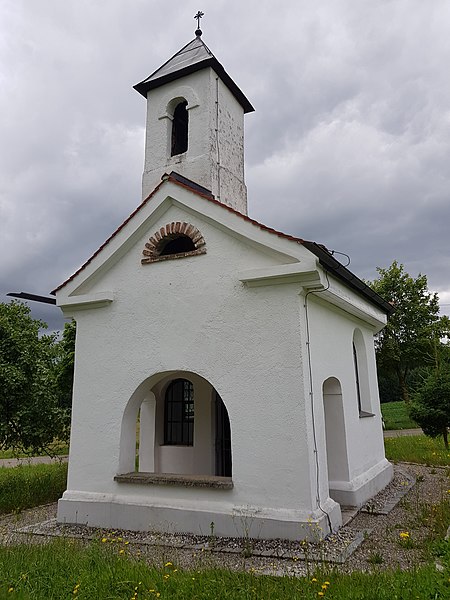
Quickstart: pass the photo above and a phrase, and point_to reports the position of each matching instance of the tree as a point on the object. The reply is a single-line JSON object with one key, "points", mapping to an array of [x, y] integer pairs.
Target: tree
{"points": [[30, 416], [430, 407], [412, 334], [65, 366]]}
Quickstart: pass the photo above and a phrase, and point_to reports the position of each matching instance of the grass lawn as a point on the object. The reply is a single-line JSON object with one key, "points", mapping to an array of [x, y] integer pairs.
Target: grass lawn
{"points": [[26, 486], [67, 569], [395, 415], [58, 449], [417, 449]]}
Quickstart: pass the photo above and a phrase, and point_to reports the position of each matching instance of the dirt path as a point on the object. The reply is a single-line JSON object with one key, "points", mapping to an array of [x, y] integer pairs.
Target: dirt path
{"points": [[401, 432], [31, 460]]}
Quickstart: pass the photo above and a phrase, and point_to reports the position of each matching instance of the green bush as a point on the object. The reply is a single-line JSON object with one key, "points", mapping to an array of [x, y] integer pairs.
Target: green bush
{"points": [[431, 405], [26, 486]]}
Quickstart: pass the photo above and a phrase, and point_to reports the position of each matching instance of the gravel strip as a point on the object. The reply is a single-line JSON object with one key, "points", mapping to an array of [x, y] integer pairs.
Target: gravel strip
{"points": [[370, 542]]}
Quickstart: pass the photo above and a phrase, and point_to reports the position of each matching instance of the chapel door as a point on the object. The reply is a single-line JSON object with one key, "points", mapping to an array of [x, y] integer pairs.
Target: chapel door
{"points": [[223, 439]]}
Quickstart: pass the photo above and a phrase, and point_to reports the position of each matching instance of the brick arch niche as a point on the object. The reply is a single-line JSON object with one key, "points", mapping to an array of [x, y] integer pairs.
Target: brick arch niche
{"points": [[174, 240]]}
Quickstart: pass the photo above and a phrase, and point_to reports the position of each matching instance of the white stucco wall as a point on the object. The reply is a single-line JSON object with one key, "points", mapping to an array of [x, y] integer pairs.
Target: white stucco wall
{"points": [[196, 315], [331, 344]]}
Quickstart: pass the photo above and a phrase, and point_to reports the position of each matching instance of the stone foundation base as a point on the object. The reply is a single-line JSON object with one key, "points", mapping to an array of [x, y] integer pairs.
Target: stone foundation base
{"points": [[115, 512]]}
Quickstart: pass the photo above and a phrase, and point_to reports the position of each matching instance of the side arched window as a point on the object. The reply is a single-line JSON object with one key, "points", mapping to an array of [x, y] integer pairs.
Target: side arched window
{"points": [[179, 413], [180, 128], [358, 386], [363, 391]]}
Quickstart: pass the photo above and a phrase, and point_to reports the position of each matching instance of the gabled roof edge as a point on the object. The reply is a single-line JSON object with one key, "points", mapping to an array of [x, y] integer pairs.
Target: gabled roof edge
{"points": [[329, 263], [144, 86], [326, 259]]}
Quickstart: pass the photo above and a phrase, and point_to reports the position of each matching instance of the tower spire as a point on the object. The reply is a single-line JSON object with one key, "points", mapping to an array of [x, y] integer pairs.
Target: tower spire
{"points": [[198, 16], [195, 124]]}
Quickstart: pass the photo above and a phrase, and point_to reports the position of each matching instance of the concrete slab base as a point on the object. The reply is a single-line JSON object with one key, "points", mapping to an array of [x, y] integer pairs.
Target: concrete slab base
{"points": [[262, 523]]}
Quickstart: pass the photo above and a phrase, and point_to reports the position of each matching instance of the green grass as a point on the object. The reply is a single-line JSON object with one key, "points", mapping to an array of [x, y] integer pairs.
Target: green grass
{"points": [[58, 449], [67, 569], [417, 449], [26, 486], [395, 415]]}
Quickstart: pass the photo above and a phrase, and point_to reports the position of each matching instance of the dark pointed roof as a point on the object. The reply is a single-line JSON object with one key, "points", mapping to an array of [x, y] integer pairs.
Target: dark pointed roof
{"points": [[194, 56]]}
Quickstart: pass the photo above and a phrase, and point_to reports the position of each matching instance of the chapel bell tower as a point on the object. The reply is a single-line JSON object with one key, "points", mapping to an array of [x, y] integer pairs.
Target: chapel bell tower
{"points": [[195, 124]]}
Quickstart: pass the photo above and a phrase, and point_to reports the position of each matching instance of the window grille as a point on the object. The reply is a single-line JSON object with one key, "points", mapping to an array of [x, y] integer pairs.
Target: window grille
{"points": [[179, 413]]}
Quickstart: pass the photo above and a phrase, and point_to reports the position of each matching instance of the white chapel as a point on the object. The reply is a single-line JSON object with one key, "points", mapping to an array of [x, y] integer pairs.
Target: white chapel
{"points": [[224, 371]]}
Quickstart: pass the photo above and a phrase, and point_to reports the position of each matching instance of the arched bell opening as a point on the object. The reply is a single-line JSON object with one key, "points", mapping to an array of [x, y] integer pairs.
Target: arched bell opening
{"points": [[180, 128], [176, 423]]}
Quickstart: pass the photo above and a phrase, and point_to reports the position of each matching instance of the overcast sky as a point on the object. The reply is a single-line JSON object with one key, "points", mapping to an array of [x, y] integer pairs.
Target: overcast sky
{"points": [[349, 145]]}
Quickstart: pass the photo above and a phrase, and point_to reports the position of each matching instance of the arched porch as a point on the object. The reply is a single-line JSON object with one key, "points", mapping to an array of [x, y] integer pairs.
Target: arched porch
{"points": [[176, 423]]}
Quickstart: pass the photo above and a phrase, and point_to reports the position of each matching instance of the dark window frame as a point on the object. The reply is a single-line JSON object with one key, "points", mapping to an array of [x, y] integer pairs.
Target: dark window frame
{"points": [[358, 388], [179, 413]]}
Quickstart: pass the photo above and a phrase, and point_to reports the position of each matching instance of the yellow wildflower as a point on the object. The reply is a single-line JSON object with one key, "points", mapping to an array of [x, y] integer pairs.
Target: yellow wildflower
{"points": [[104, 540], [404, 535]]}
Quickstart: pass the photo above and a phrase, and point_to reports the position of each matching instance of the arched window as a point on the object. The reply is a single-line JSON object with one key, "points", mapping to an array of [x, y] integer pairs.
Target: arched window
{"points": [[174, 240], [180, 129], [358, 388], [180, 243], [179, 413], [360, 363]]}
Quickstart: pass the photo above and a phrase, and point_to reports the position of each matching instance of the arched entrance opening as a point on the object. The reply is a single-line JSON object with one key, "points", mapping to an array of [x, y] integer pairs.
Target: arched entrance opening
{"points": [[176, 423], [336, 441]]}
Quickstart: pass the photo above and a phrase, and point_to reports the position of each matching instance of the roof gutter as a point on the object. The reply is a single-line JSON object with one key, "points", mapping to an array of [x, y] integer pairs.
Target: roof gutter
{"points": [[329, 263]]}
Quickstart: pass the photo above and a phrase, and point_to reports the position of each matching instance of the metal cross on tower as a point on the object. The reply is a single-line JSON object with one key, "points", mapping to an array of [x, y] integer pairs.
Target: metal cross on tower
{"points": [[198, 16]]}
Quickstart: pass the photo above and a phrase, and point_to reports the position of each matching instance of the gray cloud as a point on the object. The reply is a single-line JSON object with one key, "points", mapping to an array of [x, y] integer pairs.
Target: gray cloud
{"points": [[349, 144]]}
